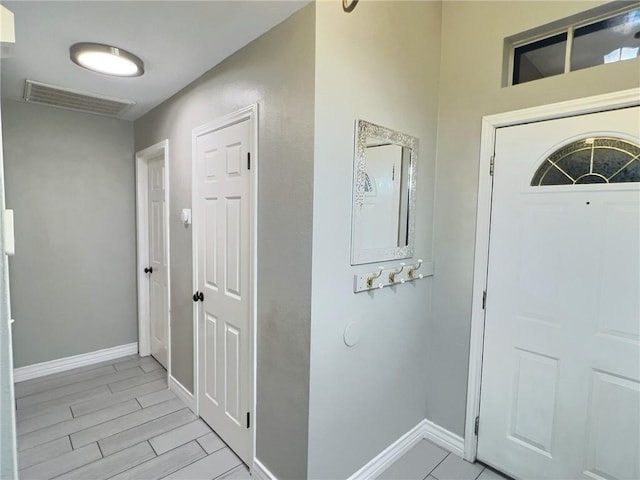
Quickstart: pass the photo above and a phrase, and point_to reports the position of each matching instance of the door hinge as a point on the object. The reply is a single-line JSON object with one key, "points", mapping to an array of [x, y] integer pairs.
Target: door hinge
{"points": [[484, 299], [492, 164], [248, 160], [248, 419], [477, 426]]}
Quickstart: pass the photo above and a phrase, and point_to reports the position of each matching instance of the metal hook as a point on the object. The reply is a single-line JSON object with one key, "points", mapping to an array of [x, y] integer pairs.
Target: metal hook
{"points": [[394, 273], [413, 269], [371, 278], [349, 6]]}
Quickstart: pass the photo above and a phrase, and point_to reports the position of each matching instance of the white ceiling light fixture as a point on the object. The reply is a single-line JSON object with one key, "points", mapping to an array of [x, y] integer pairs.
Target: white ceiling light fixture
{"points": [[106, 59]]}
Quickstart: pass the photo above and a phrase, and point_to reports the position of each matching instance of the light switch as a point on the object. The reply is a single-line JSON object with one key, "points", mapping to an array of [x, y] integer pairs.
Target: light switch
{"points": [[8, 239], [185, 216]]}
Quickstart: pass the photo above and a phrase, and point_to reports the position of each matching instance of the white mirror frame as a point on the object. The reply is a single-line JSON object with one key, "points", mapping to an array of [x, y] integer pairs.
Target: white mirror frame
{"points": [[363, 131]]}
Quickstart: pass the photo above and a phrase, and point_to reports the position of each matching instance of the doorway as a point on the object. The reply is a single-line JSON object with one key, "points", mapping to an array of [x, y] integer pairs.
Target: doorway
{"points": [[152, 217], [559, 359], [224, 196]]}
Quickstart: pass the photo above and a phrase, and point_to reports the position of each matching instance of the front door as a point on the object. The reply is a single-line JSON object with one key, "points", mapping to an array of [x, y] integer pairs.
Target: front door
{"points": [[560, 396], [157, 269], [223, 271]]}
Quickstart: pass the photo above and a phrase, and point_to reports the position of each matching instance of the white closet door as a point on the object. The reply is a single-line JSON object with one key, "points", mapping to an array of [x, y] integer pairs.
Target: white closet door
{"points": [[223, 252]]}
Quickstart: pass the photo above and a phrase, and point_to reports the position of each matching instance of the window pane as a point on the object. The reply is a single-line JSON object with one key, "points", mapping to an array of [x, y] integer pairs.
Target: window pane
{"points": [[540, 59], [607, 41]]}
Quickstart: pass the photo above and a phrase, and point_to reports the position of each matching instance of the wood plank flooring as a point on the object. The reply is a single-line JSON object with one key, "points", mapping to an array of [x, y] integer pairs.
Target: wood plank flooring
{"points": [[117, 420]]}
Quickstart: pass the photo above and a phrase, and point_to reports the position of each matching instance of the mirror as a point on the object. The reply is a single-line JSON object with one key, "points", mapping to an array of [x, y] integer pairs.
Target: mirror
{"points": [[384, 185]]}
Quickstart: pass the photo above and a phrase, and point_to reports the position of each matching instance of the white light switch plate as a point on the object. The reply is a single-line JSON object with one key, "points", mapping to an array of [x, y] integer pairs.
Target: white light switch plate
{"points": [[185, 216], [8, 239]]}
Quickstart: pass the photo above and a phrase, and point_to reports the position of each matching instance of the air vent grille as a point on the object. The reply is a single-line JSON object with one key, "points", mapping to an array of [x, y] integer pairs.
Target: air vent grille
{"points": [[35, 92]]}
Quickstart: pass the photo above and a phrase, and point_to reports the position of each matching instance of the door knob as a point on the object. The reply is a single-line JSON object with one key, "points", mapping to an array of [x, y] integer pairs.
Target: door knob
{"points": [[148, 270], [198, 296]]}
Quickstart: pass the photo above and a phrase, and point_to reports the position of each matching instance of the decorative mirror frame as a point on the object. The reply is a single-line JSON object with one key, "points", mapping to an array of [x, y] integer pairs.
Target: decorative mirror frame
{"points": [[363, 131]]}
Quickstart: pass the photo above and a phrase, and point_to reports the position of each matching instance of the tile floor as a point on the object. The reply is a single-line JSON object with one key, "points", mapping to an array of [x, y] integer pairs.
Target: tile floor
{"points": [[118, 420], [427, 461], [115, 420]]}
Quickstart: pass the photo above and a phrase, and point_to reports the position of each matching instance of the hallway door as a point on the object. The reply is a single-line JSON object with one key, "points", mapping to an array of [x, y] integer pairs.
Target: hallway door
{"points": [[158, 277], [223, 233], [560, 393]]}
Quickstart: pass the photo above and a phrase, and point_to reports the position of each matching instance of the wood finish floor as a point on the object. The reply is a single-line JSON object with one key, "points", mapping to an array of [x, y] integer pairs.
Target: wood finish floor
{"points": [[115, 420]]}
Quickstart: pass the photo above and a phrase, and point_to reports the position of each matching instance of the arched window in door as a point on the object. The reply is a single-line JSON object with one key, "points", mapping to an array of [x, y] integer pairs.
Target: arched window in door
{"points": [[591, 160]]}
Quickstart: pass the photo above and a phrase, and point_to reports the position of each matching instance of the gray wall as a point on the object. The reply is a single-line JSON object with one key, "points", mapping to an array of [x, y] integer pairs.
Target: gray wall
{"points": [[277, 72], [464, 99], [70, 179], [379, 63]]}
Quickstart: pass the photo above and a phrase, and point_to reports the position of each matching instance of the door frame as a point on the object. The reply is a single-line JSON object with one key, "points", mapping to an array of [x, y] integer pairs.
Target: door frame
{"points": [[582, 106], [142, 245], [247, 113]]}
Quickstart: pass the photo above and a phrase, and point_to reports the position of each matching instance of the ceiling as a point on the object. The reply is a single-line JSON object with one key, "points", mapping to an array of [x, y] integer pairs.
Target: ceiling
{"points": [[177, 40]]}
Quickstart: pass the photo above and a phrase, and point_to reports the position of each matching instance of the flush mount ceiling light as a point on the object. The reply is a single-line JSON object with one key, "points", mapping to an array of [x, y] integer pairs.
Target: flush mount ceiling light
{"points": [[106, 59]]}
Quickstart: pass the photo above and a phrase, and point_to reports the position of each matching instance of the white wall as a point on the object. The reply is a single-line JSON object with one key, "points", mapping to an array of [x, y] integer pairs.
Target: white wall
{"points": [[472, 41], [70, 179], [381, 64]]}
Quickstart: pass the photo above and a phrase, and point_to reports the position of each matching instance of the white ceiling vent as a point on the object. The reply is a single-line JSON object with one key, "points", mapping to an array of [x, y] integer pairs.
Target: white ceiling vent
{"points": [[35, 92]]}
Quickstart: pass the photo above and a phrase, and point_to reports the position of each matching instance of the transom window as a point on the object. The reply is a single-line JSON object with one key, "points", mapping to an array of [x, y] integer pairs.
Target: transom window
{"points": [[591, 160], [580, 44]]}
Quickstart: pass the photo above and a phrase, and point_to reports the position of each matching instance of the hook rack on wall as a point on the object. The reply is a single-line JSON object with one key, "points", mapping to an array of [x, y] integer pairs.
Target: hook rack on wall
{"points": [[392, 276]]}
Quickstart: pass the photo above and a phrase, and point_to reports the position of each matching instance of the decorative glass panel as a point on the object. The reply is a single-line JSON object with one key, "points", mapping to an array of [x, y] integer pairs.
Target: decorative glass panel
{"points": [[591, 160]]}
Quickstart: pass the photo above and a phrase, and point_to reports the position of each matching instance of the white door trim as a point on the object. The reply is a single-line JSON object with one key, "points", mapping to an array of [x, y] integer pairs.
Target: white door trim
{"points": [[609, 101], [247, 113], [142, 244]]}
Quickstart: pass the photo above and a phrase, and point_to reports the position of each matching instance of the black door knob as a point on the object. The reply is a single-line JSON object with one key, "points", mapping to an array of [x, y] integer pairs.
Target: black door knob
{"points": [[198, 296], [148, 270]]}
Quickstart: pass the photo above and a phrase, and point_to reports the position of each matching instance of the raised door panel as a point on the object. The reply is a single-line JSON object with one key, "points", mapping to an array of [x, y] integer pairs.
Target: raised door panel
{"points": [[613, 439]]}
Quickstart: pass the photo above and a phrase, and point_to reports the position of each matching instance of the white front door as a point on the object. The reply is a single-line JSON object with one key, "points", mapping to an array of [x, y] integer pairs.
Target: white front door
{"points": [[560, 395], [224, 273], [158, 292]]}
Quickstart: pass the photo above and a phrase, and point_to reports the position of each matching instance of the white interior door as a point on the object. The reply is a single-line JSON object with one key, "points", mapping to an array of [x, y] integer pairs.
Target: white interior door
{"points": [[158, 291], [224, 272], [560, 395]]}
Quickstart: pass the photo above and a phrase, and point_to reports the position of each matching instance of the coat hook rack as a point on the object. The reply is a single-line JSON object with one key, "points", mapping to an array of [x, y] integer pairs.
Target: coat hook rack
{"points": [[392, 276]]}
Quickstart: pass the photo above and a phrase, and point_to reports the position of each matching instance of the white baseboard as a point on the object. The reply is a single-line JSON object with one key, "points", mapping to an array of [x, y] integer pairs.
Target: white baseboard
{"points": [[182, 393], [390, 454], [60, 365], [260, 472], [444, 438], [423, 430]]}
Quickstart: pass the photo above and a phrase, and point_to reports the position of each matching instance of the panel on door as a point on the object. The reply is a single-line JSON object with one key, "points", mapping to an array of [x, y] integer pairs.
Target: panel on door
{"points": [[561, 365], [158, 278], [223, 259]]}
